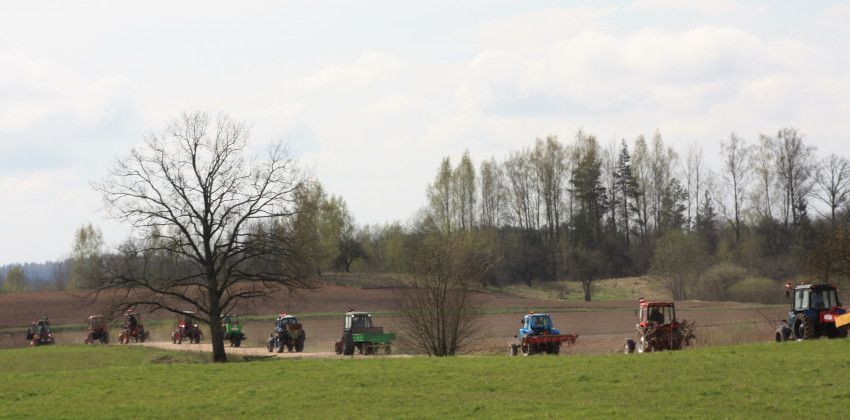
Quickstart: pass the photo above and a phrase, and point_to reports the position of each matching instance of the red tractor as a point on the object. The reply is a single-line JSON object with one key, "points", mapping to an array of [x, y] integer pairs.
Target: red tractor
{"points": [[133, 329], [658, 329], [187, 328], [98, 330]]}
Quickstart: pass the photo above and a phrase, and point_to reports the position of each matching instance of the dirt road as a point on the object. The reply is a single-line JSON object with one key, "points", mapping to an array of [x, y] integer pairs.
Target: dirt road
{"points": [[257, 351]]}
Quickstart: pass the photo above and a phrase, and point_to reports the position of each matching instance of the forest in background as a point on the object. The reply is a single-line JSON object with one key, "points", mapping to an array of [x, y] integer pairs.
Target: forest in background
{"points": [[582, 211]]}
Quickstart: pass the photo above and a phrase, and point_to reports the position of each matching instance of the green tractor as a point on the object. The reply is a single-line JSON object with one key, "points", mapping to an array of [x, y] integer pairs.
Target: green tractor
{"points": [[232, 330], [359, 333]]}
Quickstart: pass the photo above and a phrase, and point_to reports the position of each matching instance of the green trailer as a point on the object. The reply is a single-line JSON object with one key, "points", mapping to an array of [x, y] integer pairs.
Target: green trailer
{"points": [[360, 334]]}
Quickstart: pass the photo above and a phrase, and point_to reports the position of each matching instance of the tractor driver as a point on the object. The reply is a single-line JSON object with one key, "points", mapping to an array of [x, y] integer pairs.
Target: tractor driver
{"points": [[656, 316]]}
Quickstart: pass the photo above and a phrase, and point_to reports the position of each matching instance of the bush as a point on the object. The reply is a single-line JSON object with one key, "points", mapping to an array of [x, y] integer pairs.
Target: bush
{"points": [[714, 284], [757, 290]]}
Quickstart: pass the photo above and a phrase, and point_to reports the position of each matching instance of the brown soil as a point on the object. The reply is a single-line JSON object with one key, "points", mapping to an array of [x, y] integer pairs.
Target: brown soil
{"points": [[602, 326]]}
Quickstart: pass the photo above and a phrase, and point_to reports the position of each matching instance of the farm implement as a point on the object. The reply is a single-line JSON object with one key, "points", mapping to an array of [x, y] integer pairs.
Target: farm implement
{"points": [[658, 329], [359, 333], [538, 336], [815, 312]]}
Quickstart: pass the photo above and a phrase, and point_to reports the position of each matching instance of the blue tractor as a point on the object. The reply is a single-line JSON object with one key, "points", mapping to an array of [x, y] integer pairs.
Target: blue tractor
{"points": [[813, 314], [537, 336]]}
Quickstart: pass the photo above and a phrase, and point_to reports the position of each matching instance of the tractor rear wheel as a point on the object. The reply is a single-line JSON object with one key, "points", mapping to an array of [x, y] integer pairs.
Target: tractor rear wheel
{"points": [[347, 344], [805, 328], [299, 343], [556, 348]]}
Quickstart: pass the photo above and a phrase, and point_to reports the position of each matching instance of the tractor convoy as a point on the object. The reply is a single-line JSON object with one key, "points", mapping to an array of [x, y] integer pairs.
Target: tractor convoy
{"points": [[815, 312]]}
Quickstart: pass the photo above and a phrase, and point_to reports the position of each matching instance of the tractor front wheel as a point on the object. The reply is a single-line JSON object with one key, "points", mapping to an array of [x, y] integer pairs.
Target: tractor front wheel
{"points": [[643, 345], [805, 328]]}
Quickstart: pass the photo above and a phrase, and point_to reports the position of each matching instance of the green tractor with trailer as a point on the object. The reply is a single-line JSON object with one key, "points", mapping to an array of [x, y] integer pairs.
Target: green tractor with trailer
{"points": [[232, 330], [359, 333]]}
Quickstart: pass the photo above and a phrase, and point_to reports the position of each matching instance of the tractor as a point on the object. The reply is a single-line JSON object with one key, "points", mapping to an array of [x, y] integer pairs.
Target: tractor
{"points": [[537, 335], [187, 328], [658, 329], [232, 330], [39, 333], [133, 329], [288, 333], [815, 312], [360, 333], [98, 330]]}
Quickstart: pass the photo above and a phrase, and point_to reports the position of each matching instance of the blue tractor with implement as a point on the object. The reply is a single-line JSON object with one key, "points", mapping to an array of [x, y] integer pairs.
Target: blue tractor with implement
{"points": [[537, 335], [815, 312]]}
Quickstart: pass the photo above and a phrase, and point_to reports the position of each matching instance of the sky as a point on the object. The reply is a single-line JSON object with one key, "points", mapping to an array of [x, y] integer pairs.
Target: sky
{"points": [[371, 95]]}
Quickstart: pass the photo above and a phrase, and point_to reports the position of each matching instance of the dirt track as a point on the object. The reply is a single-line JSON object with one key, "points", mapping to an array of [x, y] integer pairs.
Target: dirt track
{"points": [[257, 351]]}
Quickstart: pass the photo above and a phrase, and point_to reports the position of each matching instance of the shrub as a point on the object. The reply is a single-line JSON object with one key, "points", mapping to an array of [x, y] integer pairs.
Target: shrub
{"points": [[714, 284], [757, 290]]}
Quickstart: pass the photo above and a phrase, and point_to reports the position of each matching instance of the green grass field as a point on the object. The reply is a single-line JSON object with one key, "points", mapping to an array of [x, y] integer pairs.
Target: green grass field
{"points": [[763, 381]]}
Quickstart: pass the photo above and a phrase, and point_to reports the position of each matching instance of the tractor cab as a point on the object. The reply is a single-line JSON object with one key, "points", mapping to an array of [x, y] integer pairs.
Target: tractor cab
{"points": [[231, 324], [283, 320], [536, 324], [96, 322], [656, 313], [358, 321], [186, 319], [813, 313]]}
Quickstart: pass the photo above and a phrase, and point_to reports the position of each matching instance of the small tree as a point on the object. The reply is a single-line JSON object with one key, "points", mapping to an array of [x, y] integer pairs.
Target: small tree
{"points": [[16, 280], [212, 224], [86, 258], [679, 259], [437, 306]]}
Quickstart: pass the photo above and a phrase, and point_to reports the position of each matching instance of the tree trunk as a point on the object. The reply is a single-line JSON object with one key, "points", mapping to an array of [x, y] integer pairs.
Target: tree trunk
{"points": [[216, 332]]}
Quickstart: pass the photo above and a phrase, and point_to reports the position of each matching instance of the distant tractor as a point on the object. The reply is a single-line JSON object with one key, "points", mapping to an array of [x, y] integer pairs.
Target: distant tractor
{"points": [[133, 329], [658, 329], [360, 333], [40, 334], [187, 328], [98, 330], [288, 334], [232, 330], [537, 335], [815, 312]]}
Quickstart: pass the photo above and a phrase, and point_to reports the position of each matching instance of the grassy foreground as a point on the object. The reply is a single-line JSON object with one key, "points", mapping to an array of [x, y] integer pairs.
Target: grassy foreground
{"points": [[762, 380]]}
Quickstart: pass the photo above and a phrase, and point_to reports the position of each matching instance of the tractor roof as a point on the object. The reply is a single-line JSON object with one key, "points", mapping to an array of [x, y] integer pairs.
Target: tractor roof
{"points": [[814, 286], [357, 314], [95, 316], [532, 314], [648, 304]]}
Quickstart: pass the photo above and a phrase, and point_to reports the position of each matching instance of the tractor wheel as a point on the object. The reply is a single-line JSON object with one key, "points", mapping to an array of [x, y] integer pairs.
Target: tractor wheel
{"points": [[105, 338], [526, 349], [388, 349], [270, 345], [514, 350], [556, 348], [629, 347], [87, 340], [299, 343], [143, 335], [643, 345], [805, 329], [347, 344], [237, 342]]}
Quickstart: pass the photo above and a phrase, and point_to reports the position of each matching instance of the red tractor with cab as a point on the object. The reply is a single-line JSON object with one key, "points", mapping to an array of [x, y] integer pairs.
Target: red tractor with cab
{"points": [[98, 330], [658, 329]]}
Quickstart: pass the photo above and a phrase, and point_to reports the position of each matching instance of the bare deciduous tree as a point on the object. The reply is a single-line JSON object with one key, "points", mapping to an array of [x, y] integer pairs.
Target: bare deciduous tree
{"points": [[437, 306], [736, 177], [210, 221], [833, 183]]}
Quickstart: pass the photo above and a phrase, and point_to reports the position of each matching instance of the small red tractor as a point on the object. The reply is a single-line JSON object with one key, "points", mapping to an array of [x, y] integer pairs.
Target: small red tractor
{"points": [[133, 329], [538, 336], [40, 334], [187, 328], [98, 330], [658, 329]]}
